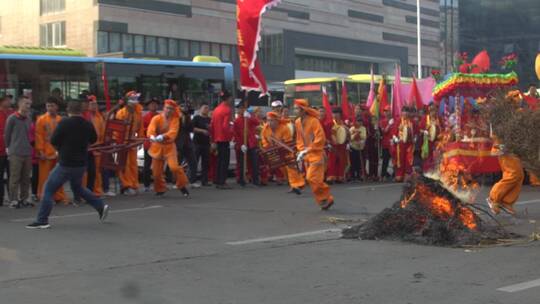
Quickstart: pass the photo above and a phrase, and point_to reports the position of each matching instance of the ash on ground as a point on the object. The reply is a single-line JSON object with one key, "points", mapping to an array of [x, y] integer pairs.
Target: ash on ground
{"points": [[429, 214]]}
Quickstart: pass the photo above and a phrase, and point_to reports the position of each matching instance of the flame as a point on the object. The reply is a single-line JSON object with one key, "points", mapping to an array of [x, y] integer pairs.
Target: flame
{"points": [[467, 217]]}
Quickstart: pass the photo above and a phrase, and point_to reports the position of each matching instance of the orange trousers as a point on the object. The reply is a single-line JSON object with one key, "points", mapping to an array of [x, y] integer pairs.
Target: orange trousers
{"points": [[534, 180], [158, 168], [506, 191], [296, 180], [129, 175], [45, 168], [315, 178]]}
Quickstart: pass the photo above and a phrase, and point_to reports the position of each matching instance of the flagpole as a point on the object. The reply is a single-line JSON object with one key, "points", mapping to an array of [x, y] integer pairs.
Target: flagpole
{"points": [[419, 40]]}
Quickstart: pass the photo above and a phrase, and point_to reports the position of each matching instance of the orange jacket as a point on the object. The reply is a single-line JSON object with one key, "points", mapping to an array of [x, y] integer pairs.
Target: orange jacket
{"points": [[282, 133], [169, 128], [45, 126], [135, 118], [310, 135]]}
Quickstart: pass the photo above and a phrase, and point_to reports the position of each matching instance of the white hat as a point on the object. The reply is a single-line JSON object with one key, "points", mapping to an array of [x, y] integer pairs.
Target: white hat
{"points": [[277, 103]]}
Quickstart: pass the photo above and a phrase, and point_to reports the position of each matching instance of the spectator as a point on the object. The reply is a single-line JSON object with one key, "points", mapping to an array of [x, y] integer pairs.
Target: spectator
{"points": [[221, 134], [19, 151], [152, 107], [184, 144], [5, 112], [201, 139]]}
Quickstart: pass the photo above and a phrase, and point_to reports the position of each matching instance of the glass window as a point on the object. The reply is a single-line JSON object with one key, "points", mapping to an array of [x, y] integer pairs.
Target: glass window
{"points": [[195, 48], [226, 53], [173, 48], [150, 45], [139, 44], [53, 34], [103, 42], [183, 48], [162, 46], [216, 50], [51, 6], [127, 43], [115, 44], [205, 48]]}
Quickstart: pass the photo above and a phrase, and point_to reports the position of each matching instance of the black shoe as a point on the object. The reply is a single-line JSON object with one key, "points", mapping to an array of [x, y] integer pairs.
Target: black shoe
{"points": [[327, 205], [26, 204], [185, 192], [160, 194], [104, 213], [36, 225], [296, 191]]}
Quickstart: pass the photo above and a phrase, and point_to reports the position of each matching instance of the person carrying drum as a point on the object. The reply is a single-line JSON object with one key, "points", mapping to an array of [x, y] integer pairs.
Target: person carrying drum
{"points": [[338, 157]]}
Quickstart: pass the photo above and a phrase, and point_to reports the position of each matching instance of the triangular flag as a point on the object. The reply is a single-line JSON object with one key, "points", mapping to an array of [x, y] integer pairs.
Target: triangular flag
{"points": [[397, 99], [371, 96], [383, 96], [345, 107], [327, 107], [415, 99]]}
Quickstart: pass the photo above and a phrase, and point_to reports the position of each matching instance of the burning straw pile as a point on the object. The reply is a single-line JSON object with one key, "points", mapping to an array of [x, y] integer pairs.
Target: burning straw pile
{"points": [[516, 128], [431, 215]]}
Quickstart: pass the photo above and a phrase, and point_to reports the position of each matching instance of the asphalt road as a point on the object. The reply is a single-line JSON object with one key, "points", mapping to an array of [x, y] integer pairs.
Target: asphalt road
{"points": [[252, 245]]}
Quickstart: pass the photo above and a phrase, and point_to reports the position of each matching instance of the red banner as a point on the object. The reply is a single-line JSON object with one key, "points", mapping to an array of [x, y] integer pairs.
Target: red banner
{"points": [[475, 156], [248, 17]]}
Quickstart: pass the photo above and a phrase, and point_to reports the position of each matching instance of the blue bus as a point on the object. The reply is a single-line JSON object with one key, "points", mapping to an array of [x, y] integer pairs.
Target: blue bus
{"points": [[40, 76]]}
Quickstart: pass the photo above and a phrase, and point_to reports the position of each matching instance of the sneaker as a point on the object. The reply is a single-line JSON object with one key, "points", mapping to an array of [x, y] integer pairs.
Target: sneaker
{"points": [[195, 185], [326, 205], [147, 189], [296, 191], [104, 213], [36, 225], [26, 204], [110, 194], [185, 192], [493, 207], [14, 205], [35, 198], [130, 192]]}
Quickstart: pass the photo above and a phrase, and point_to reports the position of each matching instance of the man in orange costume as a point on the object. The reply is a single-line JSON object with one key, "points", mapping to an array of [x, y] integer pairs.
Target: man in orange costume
{"points": [[46, 153], [162, 132], [505, 193], [276, 128], [404, 146], [132, 114], [99, 124], [338, 157], [310, 142]]}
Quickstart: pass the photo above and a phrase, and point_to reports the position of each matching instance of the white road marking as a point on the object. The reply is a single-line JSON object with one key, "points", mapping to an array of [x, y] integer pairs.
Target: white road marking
{"points": [[374, 186], [528, 202], [91, 213], [521, 286], [285, 237]]}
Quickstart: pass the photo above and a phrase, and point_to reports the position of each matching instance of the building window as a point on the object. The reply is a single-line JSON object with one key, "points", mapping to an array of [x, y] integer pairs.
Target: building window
{"points": [[51, 6], [162, 46], [216, 51], [226, 53], [115, 43], [173, 48], [52, 34], [183, 49], [195, 48], [150, 45], [272, 49], [205, 49], [139, 44], [102, 42], [127, 43]]}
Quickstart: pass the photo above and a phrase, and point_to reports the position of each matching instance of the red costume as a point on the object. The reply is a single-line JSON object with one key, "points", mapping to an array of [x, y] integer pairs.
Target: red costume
{"points": [[404, 149], [338, 157]]}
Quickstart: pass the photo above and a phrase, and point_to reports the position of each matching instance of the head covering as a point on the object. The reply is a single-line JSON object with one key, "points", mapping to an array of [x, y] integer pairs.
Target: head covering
{"points": [[153, 100], [172, 103], [386, 108], [132, 97], [277, 103], [337, 110], [304, 105], [224, 95], [91, 98]]}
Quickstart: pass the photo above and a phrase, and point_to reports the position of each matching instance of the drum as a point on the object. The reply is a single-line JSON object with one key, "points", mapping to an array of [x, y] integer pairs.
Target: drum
{"points": [[358, 138], [339, 134], [432, 132]]}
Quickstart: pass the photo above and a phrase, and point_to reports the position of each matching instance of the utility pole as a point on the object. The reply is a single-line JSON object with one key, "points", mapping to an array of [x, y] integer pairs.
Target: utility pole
{"points": [[419, 42]]}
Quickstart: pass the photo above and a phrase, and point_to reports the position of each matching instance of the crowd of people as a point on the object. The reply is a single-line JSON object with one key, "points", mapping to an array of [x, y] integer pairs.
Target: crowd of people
{"points": [[193, 150]]}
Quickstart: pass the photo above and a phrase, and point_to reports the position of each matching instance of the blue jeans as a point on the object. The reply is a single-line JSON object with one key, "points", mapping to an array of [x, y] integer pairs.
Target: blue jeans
{"points": [[57, 178]]}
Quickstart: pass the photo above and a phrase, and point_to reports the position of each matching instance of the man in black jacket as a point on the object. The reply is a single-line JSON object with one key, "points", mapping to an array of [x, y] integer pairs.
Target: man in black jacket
{"points": [[71, 139]]}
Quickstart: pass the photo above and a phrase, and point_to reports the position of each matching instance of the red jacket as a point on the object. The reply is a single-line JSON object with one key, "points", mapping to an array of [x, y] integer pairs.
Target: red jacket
{"points": [[387, 132], [253, 123], [220, 129], [146, 122], [4, 114]]}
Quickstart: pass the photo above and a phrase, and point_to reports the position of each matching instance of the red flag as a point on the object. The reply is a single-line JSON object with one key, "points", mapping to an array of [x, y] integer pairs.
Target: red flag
{"points": [[345, 106], [248, 16], [106, 88], [415, 99], [327, 107], [481, 63], [383, 97]]}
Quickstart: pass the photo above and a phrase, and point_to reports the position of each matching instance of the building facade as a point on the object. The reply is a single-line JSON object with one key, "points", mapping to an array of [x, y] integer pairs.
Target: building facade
{"points": [[502, 27], [301, 38]]}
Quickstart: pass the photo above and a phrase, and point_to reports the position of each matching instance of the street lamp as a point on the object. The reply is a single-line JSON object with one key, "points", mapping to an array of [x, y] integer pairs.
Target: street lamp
{"points": [[419, 40]]}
